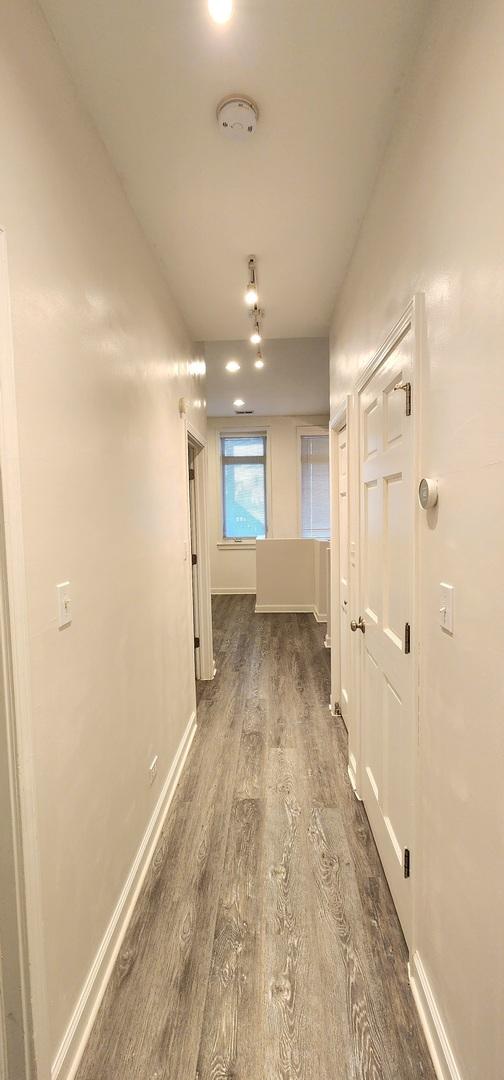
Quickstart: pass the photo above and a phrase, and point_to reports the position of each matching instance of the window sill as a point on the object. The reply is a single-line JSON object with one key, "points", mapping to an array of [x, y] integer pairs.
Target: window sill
{"points": [[232, 545]]}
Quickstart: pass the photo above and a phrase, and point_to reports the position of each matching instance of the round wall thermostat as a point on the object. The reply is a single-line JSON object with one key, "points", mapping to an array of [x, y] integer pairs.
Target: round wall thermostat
{"points": [[427, 493]]}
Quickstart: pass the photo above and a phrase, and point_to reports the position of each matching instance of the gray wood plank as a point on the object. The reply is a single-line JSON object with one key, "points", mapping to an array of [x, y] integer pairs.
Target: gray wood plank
{"points": [[265, 944]]}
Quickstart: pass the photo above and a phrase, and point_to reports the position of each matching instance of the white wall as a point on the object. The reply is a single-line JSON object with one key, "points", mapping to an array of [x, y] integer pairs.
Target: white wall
{"points": [[436, 225], [101, 359], [234, 570], [292, 576]]}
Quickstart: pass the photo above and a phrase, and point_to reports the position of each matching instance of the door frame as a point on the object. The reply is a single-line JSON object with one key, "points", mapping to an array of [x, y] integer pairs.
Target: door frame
{"points": [[339, 421], [344, 417], [22, 898], [412, 318], [204, 599]]}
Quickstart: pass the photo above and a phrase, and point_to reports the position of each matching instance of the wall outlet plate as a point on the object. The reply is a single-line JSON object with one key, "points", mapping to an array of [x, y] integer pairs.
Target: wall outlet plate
{"points": [[153, 767], [446, 607], [64, 604]]}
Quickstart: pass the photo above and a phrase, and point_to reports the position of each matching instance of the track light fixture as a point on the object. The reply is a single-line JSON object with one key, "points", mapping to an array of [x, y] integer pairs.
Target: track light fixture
{"points": [[251, 294], [255, 336]]}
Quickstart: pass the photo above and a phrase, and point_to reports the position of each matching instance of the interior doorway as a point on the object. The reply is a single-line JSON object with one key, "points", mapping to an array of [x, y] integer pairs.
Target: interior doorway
{"points": [[384, 623], [194, 555], [204, 667], [343, 691]]}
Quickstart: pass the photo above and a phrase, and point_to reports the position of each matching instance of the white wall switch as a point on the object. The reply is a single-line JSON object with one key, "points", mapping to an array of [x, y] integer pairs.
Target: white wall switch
{"points": [[446, 607], [153, 768], [64, 604]]}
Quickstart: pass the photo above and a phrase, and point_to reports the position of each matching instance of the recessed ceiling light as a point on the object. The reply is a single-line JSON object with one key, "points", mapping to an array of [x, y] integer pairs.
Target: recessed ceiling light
{"points": [[220, 10], [238, 404], [232, 365]]}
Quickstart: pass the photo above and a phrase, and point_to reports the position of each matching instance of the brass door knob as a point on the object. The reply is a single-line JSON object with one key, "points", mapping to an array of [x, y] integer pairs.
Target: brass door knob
{"points": [[359, 625]]}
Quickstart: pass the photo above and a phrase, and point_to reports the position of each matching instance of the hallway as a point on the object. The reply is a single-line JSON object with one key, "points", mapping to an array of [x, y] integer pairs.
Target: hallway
{"points": [[265, 945]]}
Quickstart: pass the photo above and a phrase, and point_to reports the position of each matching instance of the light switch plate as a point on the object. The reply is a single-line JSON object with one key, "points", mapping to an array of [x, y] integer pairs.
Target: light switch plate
{"points": [[64, 604], [446, 607]]}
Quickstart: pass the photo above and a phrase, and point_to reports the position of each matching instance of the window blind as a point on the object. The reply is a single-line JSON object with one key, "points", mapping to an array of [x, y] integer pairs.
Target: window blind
{"points": [[315, 514]]}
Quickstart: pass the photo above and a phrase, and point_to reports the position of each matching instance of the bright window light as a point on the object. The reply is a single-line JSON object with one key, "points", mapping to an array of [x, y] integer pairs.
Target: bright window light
{"points": [[220, 10], [232, 365], [243, 464]]}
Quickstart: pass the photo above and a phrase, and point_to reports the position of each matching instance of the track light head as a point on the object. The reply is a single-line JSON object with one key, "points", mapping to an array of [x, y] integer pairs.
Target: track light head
{"points": [[220, 10], [251, 294]]}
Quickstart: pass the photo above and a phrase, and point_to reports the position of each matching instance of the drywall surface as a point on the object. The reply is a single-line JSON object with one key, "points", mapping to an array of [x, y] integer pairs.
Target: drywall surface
{"points": [[292, 575], [233, 568], [436, 225], [101, 360]]}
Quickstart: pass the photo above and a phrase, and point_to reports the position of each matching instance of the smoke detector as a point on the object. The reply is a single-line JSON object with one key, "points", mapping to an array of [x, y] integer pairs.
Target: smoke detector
{"points": [[237, 116]]}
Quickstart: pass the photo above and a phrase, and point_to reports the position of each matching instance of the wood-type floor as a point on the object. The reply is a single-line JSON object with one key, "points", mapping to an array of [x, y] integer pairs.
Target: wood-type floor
{"points": [[264, 945]]}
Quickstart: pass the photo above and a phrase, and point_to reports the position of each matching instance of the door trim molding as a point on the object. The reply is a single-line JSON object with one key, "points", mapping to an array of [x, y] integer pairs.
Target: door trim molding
{"points": [[412, 318], [337, 422], [409, 319], [30, 944], [206, 657]]}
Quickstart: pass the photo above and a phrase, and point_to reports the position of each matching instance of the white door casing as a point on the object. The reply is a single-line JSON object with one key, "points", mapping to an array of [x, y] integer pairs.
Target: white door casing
{"points": [[344, 590], [386, 669]]}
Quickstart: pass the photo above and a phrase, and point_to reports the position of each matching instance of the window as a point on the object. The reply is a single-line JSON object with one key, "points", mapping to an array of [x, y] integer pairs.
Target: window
{"points": [[243, 460], [315, 514]]}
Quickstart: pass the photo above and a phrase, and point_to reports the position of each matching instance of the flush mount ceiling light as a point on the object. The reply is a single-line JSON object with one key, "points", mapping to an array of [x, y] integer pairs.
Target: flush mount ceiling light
{"points": [[237, 116], [251, 294], [232, 365], [220, 10], [239, 403]]}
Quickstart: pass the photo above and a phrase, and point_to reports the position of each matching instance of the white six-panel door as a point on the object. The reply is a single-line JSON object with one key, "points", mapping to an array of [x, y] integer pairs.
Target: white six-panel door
{"points": [[386, 673], [344, 607]]}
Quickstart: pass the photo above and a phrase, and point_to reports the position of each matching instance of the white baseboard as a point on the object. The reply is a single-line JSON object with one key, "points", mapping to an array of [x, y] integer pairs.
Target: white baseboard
{"points": [[320, 617], [270, 609], [435, 1034], [352, 772], [69, 1054], [222, 590], [282, 608]]}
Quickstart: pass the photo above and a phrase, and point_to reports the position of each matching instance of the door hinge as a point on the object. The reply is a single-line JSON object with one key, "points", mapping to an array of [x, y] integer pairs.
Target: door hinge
{"points": [[406, 386], [407, 637], [196, 643], [194, 559], [192, 474], [406, 862]]}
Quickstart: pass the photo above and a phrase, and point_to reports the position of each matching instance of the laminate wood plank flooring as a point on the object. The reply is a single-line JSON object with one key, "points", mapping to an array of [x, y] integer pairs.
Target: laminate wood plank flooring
{"points": [[264, 944]]}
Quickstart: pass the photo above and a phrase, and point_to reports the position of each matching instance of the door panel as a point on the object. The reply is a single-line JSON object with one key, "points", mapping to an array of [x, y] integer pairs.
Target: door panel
{"points": [[344, 573], [386, 591]]}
